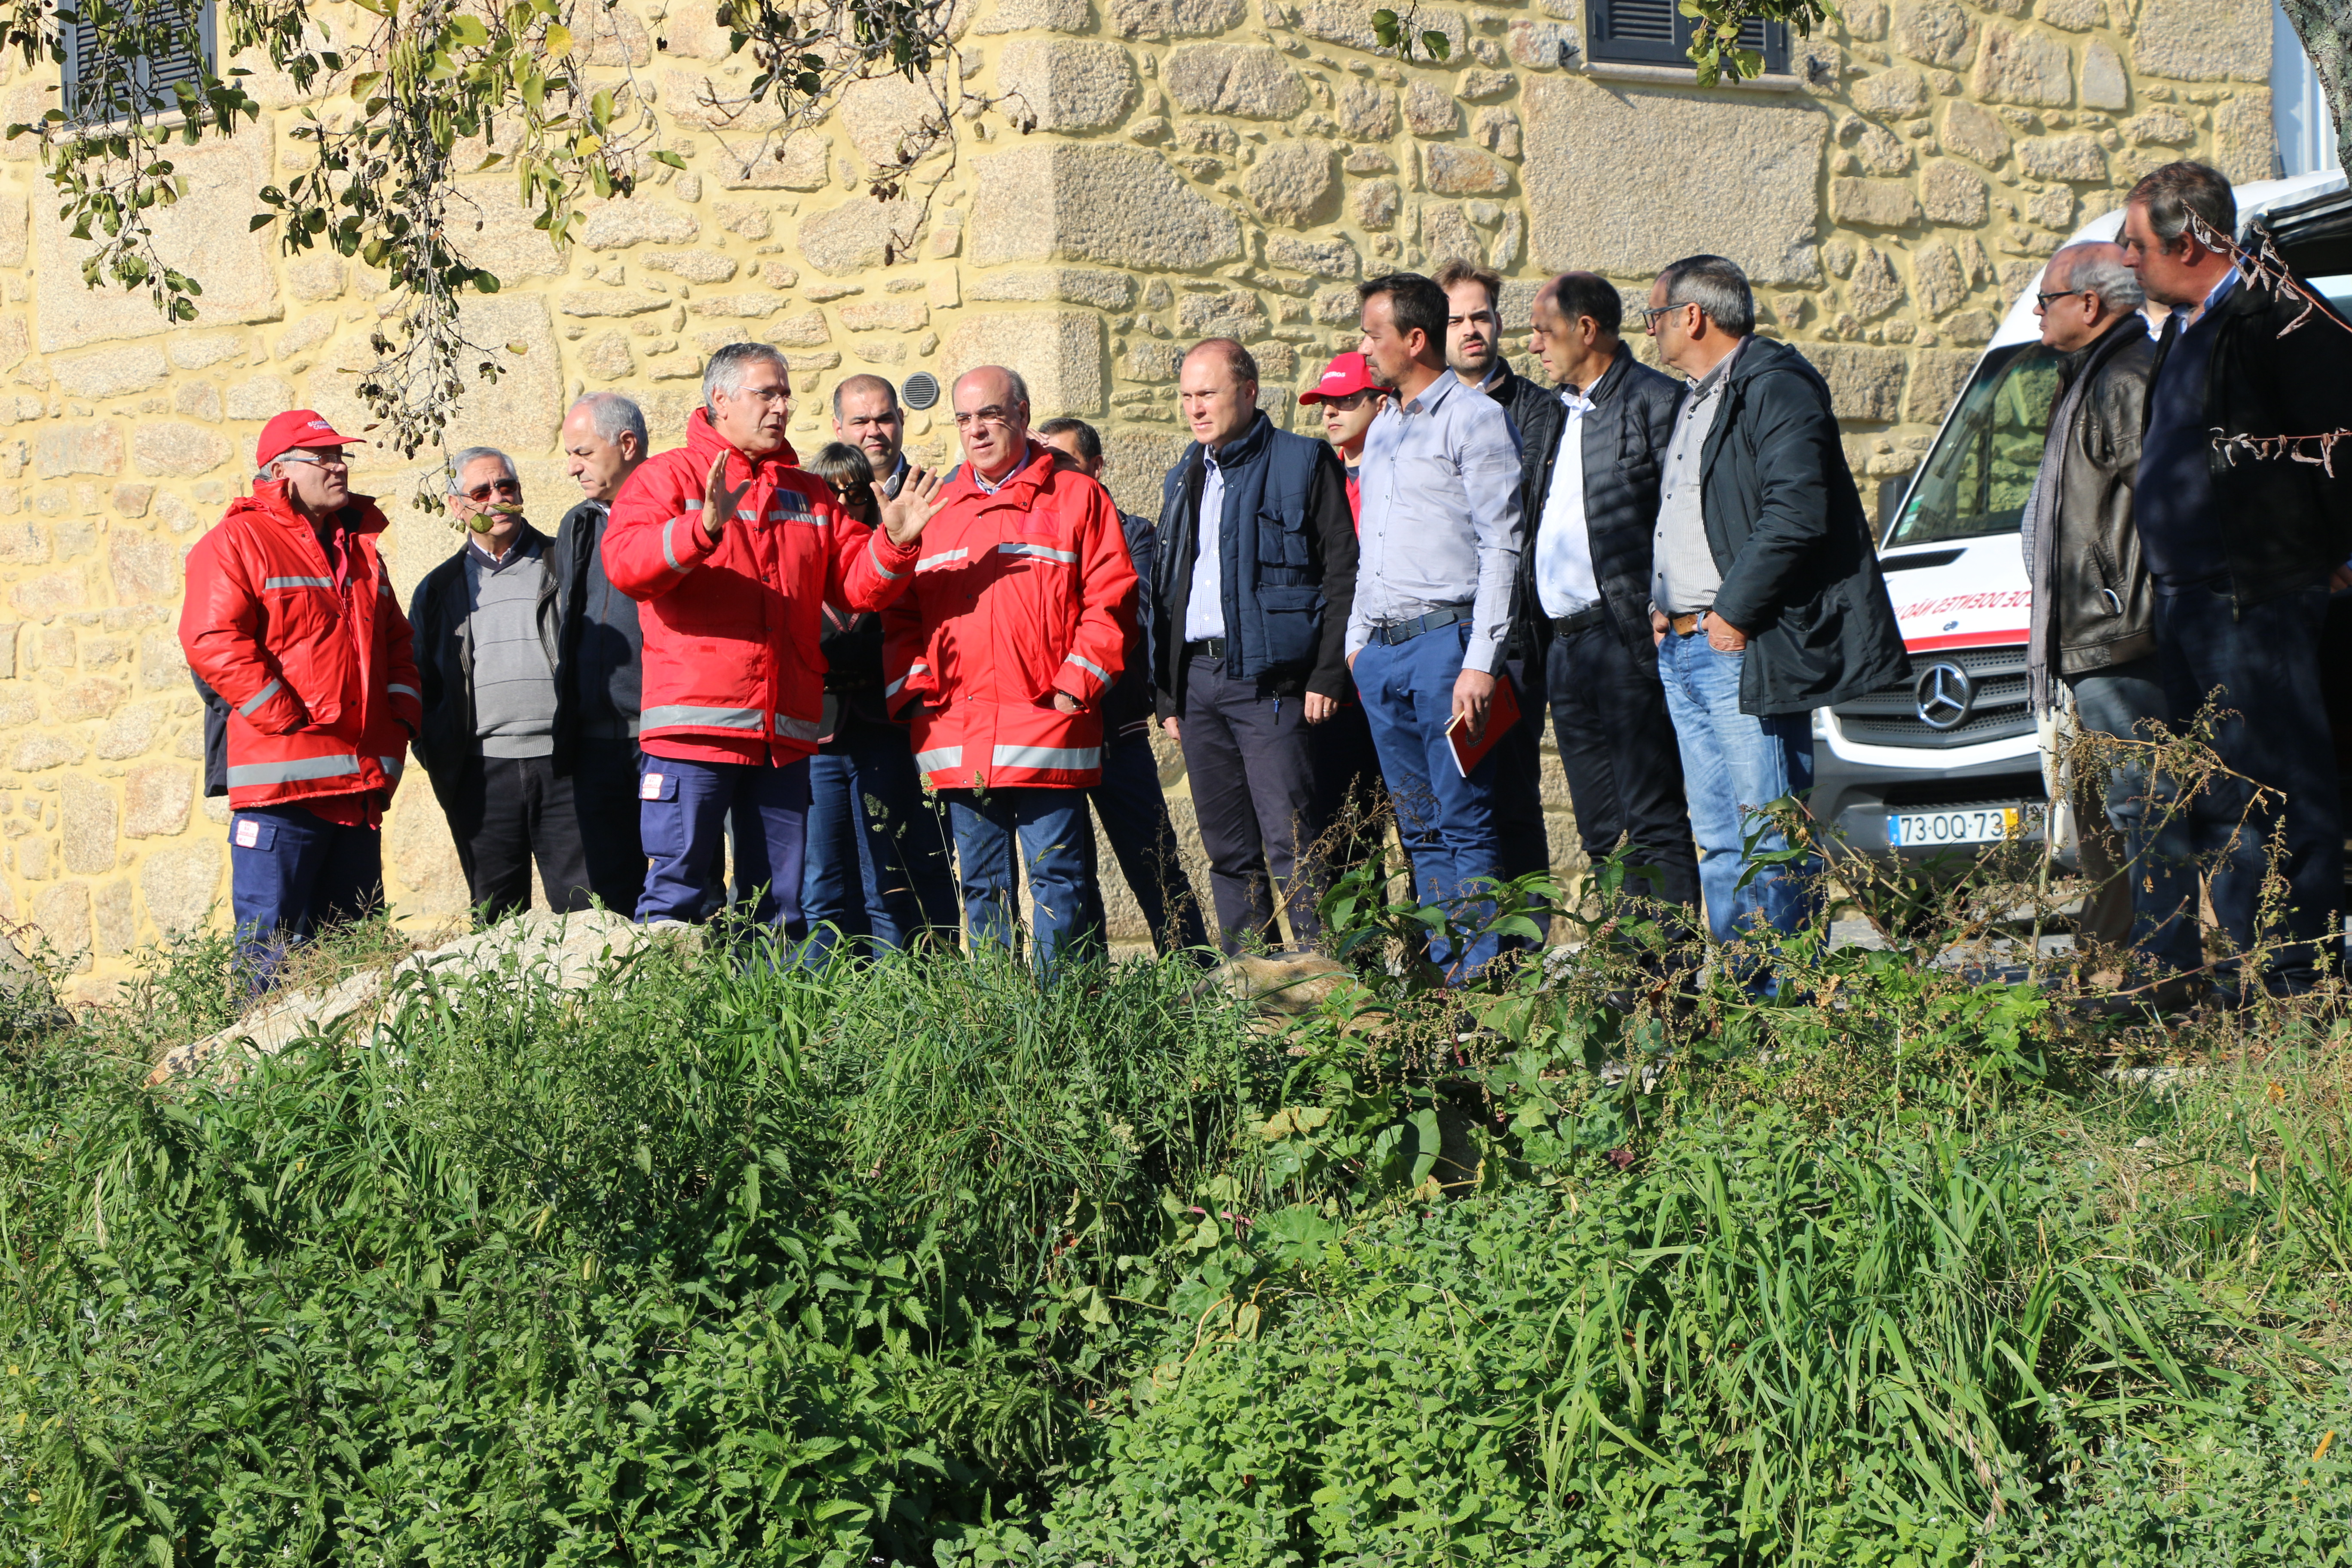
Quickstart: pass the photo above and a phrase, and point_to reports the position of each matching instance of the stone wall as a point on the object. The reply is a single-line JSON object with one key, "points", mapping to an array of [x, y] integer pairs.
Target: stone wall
{"points": [[1144, 172]]}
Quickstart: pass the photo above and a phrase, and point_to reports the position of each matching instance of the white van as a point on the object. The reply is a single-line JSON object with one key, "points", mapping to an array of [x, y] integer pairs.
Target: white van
{"points": [[1951, 757]]}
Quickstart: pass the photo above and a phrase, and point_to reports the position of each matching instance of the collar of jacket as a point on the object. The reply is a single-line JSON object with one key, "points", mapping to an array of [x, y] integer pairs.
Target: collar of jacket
{"points": [[1019, 486], [359, 515], [1242, 449], [2087, 359], [704, 441], [1606, 385]]}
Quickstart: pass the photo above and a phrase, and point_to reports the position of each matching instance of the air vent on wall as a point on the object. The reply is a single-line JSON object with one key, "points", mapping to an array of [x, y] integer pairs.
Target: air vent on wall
{"points": [[919, 391]]}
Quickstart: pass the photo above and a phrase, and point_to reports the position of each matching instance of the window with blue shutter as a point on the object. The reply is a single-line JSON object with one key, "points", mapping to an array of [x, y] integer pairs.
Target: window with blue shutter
{"points": [[182, 49], [1655, 32]]}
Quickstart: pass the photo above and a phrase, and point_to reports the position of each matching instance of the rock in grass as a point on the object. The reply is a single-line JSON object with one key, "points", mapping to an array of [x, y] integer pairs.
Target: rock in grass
{"points": [[569, 950], [1285, 985]]}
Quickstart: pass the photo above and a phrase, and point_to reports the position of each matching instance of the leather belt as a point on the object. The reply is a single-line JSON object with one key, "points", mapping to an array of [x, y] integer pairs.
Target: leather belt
{"points": [[1392, 632], [1684, 625], [1207, 647], [1583, 620]]}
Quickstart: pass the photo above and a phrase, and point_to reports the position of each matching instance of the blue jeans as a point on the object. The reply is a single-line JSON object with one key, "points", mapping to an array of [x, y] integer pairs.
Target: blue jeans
{"points": [[1133, 811], [682, 810], [2159, 862], [291, 872], [1445, 820], [1057, 846], [877, 854], [1734, 764]]}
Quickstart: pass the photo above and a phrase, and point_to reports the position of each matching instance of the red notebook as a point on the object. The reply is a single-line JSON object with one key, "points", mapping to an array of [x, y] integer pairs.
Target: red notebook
{"points": [[1500, 716]]}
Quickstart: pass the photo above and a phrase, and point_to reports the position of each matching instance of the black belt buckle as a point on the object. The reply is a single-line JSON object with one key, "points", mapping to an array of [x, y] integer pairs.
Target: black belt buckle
{"points": [[1207, 647], [1584, 619], [1394, 632]]}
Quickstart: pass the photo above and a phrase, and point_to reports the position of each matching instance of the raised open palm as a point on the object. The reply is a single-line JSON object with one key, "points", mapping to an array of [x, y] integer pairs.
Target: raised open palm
{"points": [[917, 501], [719, 503]]}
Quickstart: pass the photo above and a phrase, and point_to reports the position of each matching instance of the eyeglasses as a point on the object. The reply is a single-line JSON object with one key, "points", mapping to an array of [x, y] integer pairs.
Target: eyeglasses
{"points": [[1650, 315], [495, 487], [335, 462], [1354, 400], [2042, 300], [989, 415]]}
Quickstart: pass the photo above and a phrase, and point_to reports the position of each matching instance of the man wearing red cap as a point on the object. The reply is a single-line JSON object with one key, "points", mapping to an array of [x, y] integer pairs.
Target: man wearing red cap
{"points": [[291, 620], [734, 551], [1351, 396], [1347, 771]]}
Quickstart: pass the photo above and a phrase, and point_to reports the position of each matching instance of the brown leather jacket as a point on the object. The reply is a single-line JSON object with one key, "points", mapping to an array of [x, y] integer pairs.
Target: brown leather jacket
{"points": [[2106, 602]]}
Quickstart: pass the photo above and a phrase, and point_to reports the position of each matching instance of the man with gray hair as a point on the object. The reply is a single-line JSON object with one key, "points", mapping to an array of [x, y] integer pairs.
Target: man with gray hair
{"points": [[487, 638], [1765, 595], [732, 551], [2093, 604], [600, 655]]}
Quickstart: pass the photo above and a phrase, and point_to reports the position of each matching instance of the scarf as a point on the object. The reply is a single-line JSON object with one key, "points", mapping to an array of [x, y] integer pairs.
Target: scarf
{"points": [[2038, 528]]}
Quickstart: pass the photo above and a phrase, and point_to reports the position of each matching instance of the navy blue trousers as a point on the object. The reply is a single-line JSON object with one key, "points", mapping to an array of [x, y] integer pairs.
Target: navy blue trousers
{"points": [[291, 873], [1133, 810], [682, 808]]}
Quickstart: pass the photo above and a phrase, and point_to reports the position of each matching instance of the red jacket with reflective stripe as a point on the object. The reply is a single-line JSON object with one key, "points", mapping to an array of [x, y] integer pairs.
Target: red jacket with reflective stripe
{"points": [[1017, 596], [321, 684], [732, 667]]}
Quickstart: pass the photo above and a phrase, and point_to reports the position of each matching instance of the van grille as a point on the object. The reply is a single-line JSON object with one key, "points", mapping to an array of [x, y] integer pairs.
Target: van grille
{"points": [[1890, 716]]}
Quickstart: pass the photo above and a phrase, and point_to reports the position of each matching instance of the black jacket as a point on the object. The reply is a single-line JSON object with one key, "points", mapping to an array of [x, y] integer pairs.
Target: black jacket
{"points": [[1520, 398], [600, 653], [2286, 524], [1130, 702], [1287, 547], [2103, 600], [1626, 438], [444, 660], [1788, 534]]}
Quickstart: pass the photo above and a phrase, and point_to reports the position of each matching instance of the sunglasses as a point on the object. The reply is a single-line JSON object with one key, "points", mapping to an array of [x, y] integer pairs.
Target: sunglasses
{"points": [[495, 487]]}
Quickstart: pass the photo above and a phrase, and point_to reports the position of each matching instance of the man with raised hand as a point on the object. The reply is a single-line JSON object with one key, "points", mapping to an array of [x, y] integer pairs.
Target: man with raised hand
{"points": [[601, 660], [1248, 608], [1590, 492], [1440, 545], [486, 624], [291, 619], [1002, 653], [733, 551]]}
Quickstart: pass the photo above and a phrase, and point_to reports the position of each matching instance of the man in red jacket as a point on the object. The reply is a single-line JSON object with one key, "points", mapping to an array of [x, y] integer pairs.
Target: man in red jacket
{"points": [[734, 551], [291, 621], [1014, 630]]}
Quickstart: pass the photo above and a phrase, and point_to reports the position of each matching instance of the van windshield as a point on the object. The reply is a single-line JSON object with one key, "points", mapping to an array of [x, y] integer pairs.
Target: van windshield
{"points": [[1977, 478]]}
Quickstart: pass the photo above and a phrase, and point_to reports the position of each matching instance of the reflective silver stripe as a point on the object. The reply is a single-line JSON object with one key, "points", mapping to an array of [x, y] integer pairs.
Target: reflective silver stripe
{"points": [[876, 558], [294, 771], [1089, 666], [747, 514], [701, 718], [392, 766], [792, 507], [694, 506], [298, 582], [1070, 757], [892, 689], [406, 690], [669, 555], [939, 757], [1042, 551], [260, 697], [942, 559], [798, 728]]}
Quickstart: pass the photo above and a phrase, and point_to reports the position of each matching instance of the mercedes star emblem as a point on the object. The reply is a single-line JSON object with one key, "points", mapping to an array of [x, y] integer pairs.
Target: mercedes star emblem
{"points": [[1944, 696]]}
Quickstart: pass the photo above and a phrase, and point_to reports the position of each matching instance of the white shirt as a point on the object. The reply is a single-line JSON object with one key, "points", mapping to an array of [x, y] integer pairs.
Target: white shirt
{"points": [[1204, 611], [1564, 579]]}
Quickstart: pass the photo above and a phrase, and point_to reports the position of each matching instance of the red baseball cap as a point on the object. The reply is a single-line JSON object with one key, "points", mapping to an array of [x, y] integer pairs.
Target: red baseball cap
{"points": [[300, 427], [1344, 377]]}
